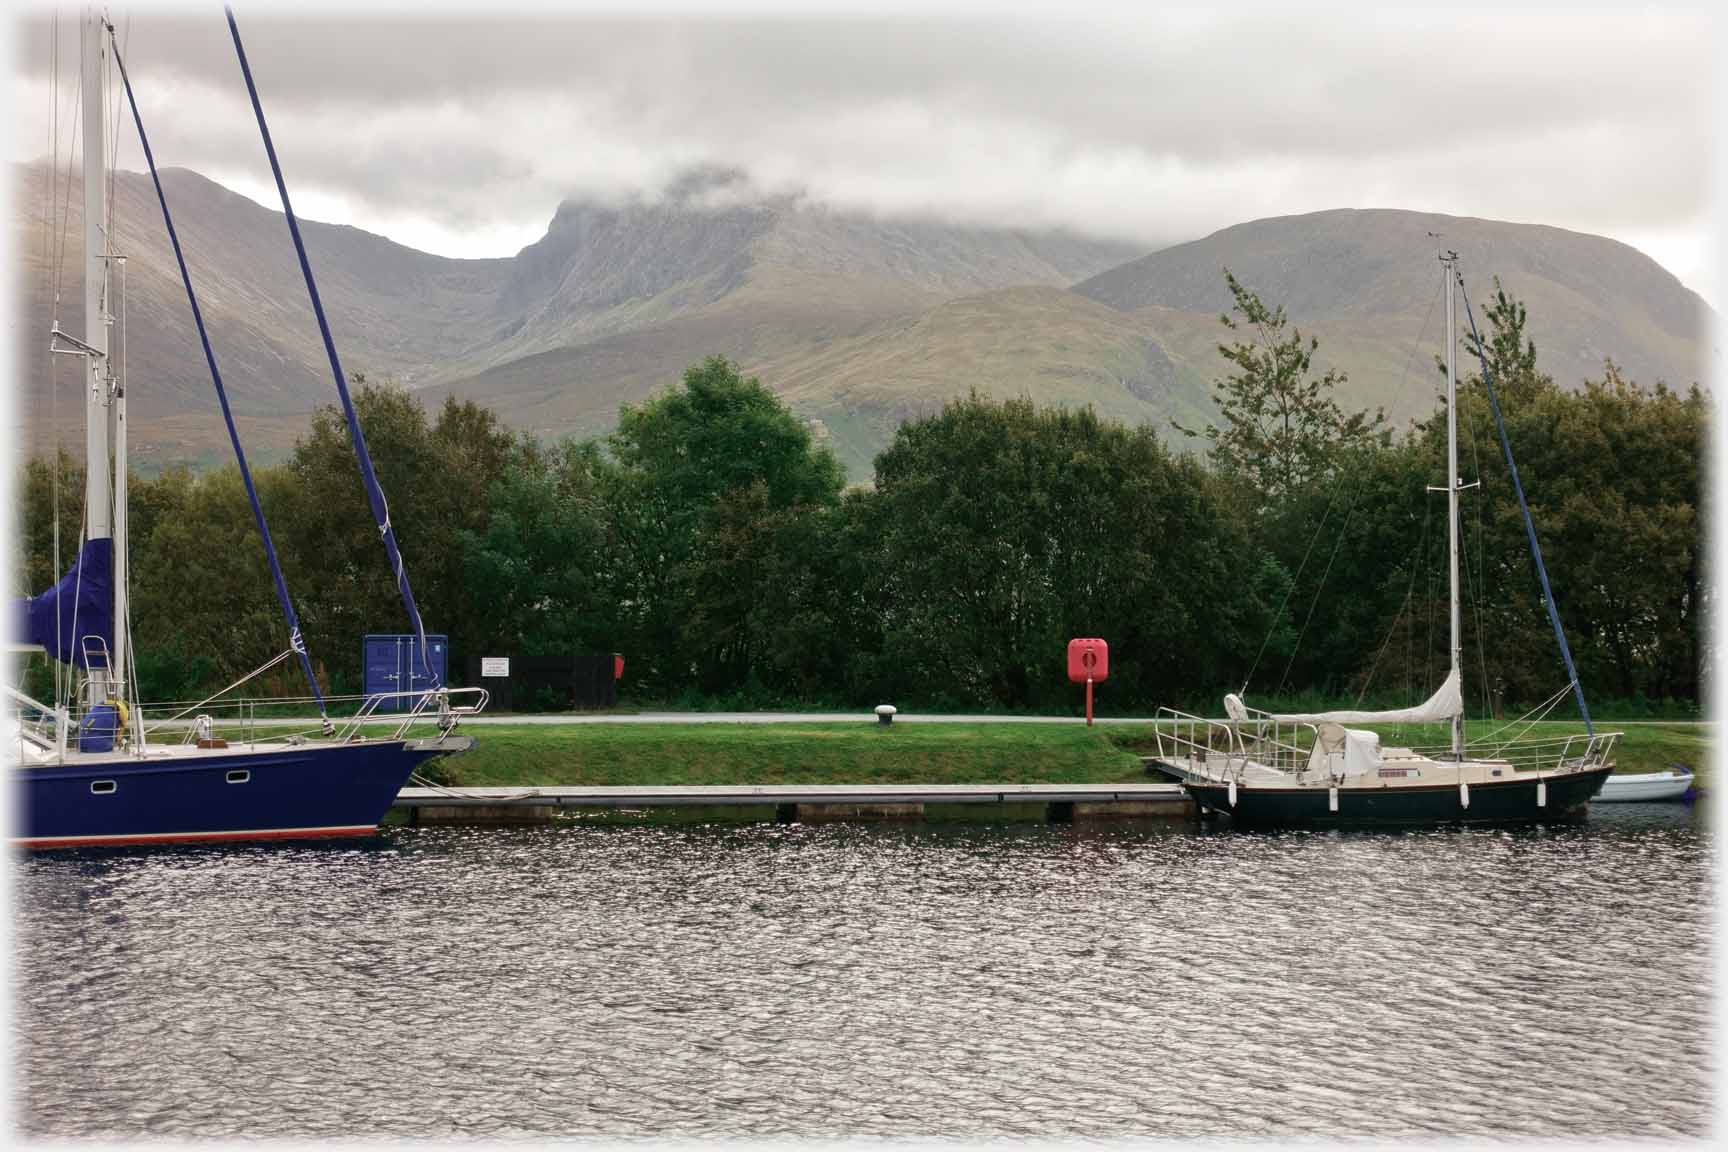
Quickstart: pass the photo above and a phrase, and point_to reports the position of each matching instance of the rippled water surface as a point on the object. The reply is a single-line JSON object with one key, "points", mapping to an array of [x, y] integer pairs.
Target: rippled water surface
{"points": [[754, 980]]}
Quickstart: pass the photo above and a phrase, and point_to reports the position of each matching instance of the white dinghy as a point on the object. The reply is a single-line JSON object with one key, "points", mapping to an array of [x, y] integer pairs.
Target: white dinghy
{"points": [[1644, 787]]}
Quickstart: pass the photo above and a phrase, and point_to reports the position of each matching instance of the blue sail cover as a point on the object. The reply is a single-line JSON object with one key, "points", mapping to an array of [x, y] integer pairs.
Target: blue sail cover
{"points": [[85, 601]]}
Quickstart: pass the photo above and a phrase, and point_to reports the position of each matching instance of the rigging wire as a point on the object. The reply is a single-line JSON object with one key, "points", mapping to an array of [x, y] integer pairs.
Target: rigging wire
{"points": [[114, 141], [1397, 617], [1337, 544], [1533, 716], [49, 179], [296, 643], [1524, 507], [374, 493], [1266, 340], [1477, 584], [1288, 592], [1476, 594], [1343, 531], [66, 207], [1421, 552]]}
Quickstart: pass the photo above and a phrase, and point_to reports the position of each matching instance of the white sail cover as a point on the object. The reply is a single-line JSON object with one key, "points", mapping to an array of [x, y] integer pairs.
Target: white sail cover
{"points": [[1446, 703]]}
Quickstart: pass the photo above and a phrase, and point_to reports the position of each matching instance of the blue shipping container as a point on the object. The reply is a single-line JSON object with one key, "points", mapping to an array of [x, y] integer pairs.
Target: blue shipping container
{"points": [[392, 664]]}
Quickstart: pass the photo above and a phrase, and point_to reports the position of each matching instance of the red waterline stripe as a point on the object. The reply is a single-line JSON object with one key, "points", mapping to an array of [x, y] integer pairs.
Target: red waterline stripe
{"points": [[192, 837]]}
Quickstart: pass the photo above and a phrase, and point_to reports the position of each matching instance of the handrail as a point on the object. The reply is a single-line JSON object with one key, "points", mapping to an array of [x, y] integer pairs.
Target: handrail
{"points": [[448, 716], [1200, 753], [426, 701], [1540, 753], [62, 722]]}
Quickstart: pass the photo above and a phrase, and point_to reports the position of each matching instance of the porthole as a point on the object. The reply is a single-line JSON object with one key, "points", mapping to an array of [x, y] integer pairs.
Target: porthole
{"points": [[101, 787], [239, 776]]}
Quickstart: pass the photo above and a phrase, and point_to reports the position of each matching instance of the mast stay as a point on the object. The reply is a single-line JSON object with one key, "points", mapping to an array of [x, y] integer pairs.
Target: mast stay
{"points": [[1529, 524], [374, 494], [296, 640]]}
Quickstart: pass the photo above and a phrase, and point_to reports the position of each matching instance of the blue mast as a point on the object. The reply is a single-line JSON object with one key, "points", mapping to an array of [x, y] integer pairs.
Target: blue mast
{"points": [[374, 494]]}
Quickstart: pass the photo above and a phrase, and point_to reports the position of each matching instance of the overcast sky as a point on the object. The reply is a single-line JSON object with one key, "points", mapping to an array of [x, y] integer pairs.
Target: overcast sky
{"points": [[460, 132]]}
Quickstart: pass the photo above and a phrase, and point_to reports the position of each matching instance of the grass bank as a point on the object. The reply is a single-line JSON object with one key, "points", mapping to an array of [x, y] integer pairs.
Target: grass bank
{"points": [[906, 753], [838, 753]]}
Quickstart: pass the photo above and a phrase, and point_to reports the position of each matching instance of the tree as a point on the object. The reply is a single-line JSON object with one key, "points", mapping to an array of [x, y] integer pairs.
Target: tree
{"points": [[1511, 355], [696, 466], [437, 477], [187, 645], [1282, 429], [1002, 530], [540, 564], [1612, 477]]}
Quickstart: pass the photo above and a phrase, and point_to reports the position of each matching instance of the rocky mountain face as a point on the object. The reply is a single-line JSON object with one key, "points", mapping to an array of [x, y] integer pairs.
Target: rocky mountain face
{"points": [[858, 322]]}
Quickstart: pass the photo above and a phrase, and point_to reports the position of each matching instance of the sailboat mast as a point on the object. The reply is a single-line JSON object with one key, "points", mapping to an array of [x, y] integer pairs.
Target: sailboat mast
{"points": [[98, 492], [1447, 264]]}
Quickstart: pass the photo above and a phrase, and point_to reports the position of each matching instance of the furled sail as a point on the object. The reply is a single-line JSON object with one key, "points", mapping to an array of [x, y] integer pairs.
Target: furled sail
{"points": [[1446, 703], [81, 604]]}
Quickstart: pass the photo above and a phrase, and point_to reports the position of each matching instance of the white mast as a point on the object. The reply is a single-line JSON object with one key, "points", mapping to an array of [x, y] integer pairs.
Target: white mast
{"points": [[1447, 263], [98, 492], [120, 681]]}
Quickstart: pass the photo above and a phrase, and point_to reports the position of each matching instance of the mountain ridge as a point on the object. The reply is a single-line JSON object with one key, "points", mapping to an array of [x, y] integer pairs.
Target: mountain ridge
{"points": [[858, 322]]}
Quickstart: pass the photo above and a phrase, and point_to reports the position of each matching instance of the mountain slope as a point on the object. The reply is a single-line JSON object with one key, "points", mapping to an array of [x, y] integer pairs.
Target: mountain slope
{"points": [[744, 274], [1365, 283], [858, 322]]}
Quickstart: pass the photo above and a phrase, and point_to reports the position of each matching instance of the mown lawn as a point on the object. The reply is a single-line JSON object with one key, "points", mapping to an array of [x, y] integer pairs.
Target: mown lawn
{"points": [[833, 753]]}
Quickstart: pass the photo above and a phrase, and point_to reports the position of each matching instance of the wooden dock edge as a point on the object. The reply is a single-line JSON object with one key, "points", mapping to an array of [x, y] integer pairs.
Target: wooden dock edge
{"points": [[813, 804]]}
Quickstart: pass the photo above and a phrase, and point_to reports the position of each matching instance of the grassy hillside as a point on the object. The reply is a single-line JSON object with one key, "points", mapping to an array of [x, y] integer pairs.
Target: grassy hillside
{"points": [[858, 321]]}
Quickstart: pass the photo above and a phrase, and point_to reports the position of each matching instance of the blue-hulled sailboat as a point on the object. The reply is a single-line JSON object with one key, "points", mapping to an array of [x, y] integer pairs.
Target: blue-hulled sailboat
{"points": [[87, 770]]}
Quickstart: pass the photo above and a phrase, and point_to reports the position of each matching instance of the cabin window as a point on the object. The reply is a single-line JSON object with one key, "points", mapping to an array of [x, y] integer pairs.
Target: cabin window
{"points": [[101, 787], [239, 776]]}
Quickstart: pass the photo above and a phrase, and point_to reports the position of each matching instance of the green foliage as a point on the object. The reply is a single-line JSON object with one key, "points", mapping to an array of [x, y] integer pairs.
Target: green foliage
{"points": [[712, 480], [438, 477], [33, 567], [1281, 430], [539, 563], [1002, 530], [709, 540], [1613, 478]]}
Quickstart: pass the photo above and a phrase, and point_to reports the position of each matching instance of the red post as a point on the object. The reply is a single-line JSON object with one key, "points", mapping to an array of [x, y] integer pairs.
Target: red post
{"points": [[1088, 660]]}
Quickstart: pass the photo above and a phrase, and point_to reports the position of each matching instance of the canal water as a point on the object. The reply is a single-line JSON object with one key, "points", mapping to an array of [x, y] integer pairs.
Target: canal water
{"points": [[964, 981]]}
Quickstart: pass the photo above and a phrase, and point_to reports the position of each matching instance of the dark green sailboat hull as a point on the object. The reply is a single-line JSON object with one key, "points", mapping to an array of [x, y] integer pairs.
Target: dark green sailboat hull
{"points": [[1496, 802]]}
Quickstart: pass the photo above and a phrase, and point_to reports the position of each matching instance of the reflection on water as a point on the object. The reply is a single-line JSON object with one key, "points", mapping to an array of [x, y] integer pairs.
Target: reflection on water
{"points": [[818, 981]]}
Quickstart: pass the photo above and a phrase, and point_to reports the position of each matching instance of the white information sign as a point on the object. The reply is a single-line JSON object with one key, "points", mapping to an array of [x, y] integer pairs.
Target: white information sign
{"points": [[495, 666]]}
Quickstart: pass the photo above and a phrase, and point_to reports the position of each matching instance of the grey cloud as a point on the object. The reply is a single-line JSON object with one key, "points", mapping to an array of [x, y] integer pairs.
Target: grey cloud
{"points": [[1153, 128]]}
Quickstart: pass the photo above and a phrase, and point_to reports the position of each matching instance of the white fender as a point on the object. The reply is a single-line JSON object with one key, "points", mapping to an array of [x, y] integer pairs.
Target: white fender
{"points": [[1463, 794], [1332, 798], [1541, 793], [1232, 792]]}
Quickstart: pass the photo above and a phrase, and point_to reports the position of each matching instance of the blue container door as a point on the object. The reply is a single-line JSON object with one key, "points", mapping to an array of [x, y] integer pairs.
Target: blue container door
{"points": [[437, 654], [384, 668]]}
